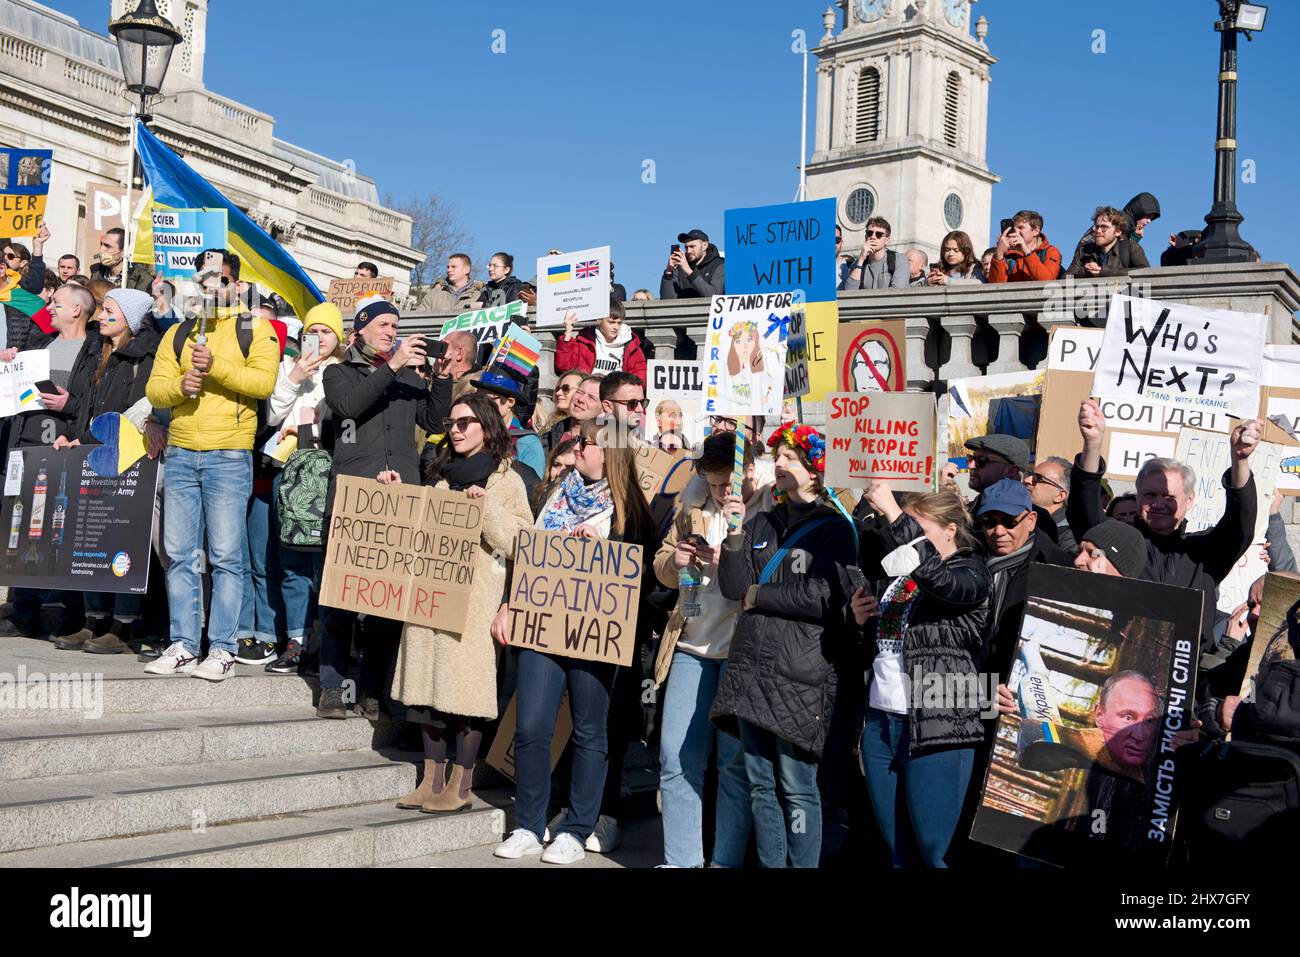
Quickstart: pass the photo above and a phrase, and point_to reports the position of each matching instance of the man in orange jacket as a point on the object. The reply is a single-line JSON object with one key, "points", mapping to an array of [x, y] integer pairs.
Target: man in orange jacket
{"points": [[1023, 253]]}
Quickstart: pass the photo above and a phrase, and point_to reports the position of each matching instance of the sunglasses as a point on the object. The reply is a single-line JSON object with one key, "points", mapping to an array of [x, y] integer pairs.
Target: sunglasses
{"points": [[12, 258], [877, 234], [983, 460], [995, 519], [563, 389], [460, 425], [632, 404], [1035, 478]]}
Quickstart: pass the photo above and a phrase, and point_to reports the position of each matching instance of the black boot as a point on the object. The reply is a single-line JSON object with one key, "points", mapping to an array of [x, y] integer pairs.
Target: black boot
{"points": [[331, 704]]}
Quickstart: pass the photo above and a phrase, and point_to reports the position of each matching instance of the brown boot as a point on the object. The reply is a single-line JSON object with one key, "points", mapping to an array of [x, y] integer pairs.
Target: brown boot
{"points": [[111, 642], [434, 773], [75, 642], [450, 799]]}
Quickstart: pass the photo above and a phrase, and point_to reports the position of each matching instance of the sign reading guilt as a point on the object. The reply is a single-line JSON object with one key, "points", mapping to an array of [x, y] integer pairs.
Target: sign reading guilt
{"points": [[403, 552], [575, 597]]}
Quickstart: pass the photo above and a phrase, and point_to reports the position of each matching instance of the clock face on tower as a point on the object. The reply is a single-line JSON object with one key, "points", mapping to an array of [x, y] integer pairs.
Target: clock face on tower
{"points": [[955, 11], [869, 11]]}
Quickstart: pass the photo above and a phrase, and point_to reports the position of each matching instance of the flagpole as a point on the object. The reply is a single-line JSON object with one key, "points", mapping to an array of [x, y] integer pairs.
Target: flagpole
{"points": [[128, 219], [803, 133]]}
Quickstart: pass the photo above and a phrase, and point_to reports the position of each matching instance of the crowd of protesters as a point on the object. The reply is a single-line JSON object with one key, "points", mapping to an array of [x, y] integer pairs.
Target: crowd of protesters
{"points": [[782, 624]]}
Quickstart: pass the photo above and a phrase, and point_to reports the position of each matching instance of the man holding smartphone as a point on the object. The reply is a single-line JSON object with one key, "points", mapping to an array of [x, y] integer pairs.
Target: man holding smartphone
{"points": [[1023, 253], [695, 271]]}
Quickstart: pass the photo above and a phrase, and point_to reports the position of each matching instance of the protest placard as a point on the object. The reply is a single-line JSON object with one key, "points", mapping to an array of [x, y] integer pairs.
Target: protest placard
{"points": [[1071, 355], [872, 356], [70, 527], [675, 400], [1280, 404], [1210, 455], [18, 382], [486, 324], [1124, 451], [1277, 632], [788, 247], [575, 597], [573, 282], [24, 189], [345, 293], [180, 235], [653, 466], [1188, 356], [881, 436], [744, 365], [1006, 403], [796, 353], [502, 753], [405, 552], [1103, 676]]}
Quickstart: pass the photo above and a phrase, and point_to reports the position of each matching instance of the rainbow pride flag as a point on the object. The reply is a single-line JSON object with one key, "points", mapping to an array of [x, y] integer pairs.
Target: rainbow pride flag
{"points": [[518, 351]]}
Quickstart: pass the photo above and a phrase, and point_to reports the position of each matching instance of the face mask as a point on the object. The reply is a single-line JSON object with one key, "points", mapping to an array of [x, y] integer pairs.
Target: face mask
{"points": [[903, 560]]}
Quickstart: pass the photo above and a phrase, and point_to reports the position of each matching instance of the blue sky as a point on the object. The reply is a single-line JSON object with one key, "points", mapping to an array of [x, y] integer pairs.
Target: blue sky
{"points": [[544, 145]]}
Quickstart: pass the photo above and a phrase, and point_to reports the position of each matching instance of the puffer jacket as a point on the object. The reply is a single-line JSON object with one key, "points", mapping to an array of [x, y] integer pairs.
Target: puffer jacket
{"points": [[500, 292], [224, 414], [708, 279], [781, 673], [944, 636], [120, 387], [1042, 265], [579, 353]]}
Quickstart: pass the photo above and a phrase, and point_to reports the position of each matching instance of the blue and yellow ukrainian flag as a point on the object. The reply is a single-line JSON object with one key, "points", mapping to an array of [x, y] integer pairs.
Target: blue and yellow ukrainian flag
{"points": [[176, 186], [559, 273]]}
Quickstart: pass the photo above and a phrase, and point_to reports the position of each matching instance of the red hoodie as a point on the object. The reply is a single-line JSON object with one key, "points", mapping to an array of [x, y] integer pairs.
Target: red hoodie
{"points": [[1042, 265], [579, 353]]}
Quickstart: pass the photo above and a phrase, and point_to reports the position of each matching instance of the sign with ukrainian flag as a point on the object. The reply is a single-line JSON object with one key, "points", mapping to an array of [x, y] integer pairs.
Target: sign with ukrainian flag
{"points": [[18, 382], [573, 282]]}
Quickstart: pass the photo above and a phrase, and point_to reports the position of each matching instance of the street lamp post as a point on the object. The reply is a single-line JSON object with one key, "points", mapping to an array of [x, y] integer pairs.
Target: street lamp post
{"points": [[1221, 242], [145, 39]]}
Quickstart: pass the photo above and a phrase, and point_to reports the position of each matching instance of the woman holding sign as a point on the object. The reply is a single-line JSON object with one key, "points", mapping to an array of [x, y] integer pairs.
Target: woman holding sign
{"points": [[448, 681], [600, 498], [789, 570]]}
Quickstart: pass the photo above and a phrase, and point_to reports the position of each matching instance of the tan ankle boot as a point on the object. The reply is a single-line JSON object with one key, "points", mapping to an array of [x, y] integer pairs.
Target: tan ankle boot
{"points": [[450, 799], [433, 774]]}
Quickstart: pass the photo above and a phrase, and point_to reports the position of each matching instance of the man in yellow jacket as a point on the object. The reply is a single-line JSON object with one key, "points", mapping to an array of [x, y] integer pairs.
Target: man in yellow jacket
{"points": [[213, 389]]}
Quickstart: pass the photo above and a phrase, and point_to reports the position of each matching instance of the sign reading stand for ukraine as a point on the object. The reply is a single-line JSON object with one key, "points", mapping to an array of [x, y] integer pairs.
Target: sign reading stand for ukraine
{"points": [[786, 248], [180, 235], [573, 282]]}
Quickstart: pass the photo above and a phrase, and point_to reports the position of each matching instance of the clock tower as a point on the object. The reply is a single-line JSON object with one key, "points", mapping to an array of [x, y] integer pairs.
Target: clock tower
{"points": [[902, 118]]}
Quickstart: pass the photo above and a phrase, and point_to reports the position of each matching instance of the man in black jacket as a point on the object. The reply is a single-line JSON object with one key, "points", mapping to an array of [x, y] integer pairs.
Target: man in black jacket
{"points": [[1109, 249], [377, 398], [1166, 490], [697, 271]]}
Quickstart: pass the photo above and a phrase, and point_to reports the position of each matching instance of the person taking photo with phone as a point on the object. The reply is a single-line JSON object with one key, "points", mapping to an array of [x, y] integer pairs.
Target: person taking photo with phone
{"points": [[695, 270]]}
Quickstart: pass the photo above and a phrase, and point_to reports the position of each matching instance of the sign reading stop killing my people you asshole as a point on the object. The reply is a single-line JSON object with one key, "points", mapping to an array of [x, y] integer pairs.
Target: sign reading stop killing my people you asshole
{"points": [[404, 552], [880, 437]]}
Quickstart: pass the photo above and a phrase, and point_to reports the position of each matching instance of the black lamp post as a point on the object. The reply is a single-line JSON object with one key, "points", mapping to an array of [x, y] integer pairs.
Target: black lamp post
{"points": [[145, 40], [1221, 242]]}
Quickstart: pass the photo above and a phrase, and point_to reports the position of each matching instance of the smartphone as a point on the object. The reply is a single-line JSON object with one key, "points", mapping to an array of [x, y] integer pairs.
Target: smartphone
{"points": [[211, 263], [46, 386], [674, 248], [1006, 224], [698, 541], [936, 267], [434, 349], [859, 580], [311, 344]]}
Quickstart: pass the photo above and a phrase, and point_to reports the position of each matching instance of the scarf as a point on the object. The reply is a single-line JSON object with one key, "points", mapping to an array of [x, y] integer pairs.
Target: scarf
{"points": [[373, 355], [575, 502], [462, 472]]}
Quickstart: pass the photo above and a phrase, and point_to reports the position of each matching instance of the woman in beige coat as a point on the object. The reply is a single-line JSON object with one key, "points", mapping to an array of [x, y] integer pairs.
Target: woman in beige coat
{"points": [[449, 681]]}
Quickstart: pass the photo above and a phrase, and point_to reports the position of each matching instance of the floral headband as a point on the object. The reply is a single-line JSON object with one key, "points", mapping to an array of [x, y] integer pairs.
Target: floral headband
{"points": [[740, 328], [802, 437]]}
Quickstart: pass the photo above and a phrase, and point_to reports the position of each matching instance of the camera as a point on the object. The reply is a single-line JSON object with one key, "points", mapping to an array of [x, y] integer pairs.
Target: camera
{"points": [[1006, 224]]}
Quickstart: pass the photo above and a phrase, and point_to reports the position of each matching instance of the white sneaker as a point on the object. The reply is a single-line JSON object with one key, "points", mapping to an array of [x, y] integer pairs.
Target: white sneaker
{"points": [[174, 661], [604, 837], [520, 843], [216, 666], [565, 849], [555, 823]]}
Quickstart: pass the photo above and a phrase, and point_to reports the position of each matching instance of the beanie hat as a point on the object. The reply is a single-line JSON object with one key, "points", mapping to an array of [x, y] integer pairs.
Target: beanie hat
{"points": [[372, 310], [135, 305], [1123, 544], [325, 314]]}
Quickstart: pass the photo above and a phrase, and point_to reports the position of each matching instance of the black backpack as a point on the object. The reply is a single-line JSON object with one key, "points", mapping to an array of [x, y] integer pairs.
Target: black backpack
{"points": [[244, 336], [1237, 801]]}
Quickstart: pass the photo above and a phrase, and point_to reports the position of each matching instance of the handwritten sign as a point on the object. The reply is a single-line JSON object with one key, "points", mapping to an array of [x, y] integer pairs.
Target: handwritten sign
{"points": [[24, 189], [345, 293], [486, 324], [180, 235], [653, 466], [1187, 356], [18, 382], [675, 400], [573, 282], [886, 436], [872, 356], [744, 366], [796, 353], [575, 597], [782, 248], [404, 552]]}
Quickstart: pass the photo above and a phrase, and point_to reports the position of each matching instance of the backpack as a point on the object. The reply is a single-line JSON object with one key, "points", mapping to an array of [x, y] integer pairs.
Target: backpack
{"points": [[1235, 799], [301, 499], [244, 336]]}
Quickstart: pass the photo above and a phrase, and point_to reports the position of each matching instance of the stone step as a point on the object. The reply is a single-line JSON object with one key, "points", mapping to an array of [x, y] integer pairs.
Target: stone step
{"points": [[40, 748], [366, 835], [43, 812]]}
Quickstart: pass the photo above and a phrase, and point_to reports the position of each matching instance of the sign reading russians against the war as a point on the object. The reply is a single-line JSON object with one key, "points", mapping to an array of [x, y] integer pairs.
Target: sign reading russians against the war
{"points": [[404, 552]]}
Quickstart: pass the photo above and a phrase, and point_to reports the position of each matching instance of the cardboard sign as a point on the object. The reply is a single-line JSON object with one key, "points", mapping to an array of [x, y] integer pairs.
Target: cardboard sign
{"points": [[573, 282], [180, 235], [981, 405], [405, 552], [1275, 638], [653, 466], [797, 382], [744, 364], [1125, 451], [1280, 403], [1076, 779], [886, 436], [345, 293], [1188, 356], [675, 400], [486, 324], [502, 753], [575, 597], [18, 382], [872, 356], [24, 189]]}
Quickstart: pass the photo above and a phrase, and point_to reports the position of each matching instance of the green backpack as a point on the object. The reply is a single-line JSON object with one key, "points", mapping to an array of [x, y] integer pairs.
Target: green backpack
{"points": [[300, 501]]}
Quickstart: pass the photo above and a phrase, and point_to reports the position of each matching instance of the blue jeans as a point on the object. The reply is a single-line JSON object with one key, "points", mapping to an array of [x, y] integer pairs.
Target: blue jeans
{"points": [[261, 615], [300, 573], [206, 491], [685, 739], [102, 604], [542, 680], [917, 798], [788, 828]]}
